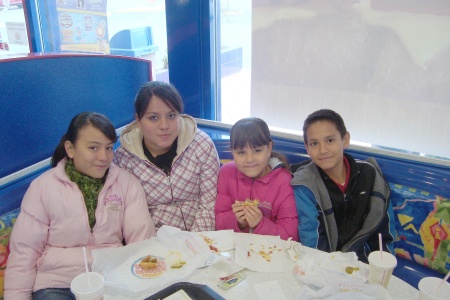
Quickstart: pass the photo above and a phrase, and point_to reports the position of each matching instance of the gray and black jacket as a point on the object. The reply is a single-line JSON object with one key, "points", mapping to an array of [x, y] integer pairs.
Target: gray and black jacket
{"points": [[330, 220]]}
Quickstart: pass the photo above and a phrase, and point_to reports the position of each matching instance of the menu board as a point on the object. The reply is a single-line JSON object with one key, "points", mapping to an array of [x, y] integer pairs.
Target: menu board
{"points": [[83, 25]]}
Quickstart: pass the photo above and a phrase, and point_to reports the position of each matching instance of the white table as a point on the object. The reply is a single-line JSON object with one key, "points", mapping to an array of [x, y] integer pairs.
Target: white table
{"points": [[398, 289]]}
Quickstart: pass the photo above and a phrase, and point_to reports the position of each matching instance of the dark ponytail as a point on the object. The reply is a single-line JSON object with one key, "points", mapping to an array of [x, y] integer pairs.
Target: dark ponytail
{"points": [[281, 157], [99, 121], [60, 152]]}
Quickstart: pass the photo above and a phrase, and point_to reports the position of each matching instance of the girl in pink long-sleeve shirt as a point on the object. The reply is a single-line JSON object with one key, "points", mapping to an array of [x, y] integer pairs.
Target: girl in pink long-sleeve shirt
{"points": [[253, 191]]}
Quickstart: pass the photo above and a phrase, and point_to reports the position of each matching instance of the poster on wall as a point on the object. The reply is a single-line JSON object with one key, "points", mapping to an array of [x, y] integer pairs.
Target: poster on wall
{"points": [[17, 33], [83, 25], [13, 31]]}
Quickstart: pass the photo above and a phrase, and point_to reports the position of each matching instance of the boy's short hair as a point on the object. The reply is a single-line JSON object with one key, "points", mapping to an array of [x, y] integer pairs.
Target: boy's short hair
{"points": [[324, 115]]}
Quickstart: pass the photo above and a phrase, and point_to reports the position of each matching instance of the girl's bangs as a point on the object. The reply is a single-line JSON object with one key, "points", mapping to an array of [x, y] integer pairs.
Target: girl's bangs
{"points": [[248, 136]]}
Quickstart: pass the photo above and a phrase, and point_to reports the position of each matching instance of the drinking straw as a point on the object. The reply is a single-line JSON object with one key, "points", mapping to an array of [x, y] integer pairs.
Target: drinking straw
{"points": [[381, 245], [86, 264], [443, 280]]}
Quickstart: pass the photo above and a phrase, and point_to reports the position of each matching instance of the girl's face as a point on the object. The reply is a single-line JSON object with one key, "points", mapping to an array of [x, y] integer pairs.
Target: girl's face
{"points": [[160, 125], [92, 153], [326, 146], [253, 161]]}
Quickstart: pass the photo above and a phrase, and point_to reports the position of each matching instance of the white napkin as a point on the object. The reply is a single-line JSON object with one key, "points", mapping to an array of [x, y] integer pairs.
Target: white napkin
{"points": [[350, 290], [261, 253], [322, 269], [269, 290], [170, 246], [218, 241]]}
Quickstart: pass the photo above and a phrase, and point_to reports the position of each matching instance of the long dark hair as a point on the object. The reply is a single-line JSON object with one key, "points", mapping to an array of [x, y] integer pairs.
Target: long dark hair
{"points": [[253, 132], [99, 121], [165, 91]]}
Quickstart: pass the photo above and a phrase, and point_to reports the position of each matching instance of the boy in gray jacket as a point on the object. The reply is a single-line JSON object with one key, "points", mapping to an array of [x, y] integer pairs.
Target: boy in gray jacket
{"points": [[342, 203]]}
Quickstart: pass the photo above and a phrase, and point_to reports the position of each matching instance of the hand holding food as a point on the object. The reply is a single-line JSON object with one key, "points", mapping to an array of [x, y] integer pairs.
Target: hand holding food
{"points": [[253, 215], [238, 210]]}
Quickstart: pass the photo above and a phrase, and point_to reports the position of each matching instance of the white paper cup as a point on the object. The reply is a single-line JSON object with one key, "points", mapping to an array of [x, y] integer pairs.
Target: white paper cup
{"points": [[93, 289], [380, 270], [428, 291]]}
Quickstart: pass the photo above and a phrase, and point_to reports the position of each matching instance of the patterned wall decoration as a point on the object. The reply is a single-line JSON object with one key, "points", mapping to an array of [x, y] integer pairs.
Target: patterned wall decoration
{"points": [[423, 227]]}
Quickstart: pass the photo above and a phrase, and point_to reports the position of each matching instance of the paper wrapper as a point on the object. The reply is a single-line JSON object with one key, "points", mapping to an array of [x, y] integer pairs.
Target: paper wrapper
{"points": [[218, 241], [223, 266], [120, 266], [322, 269], [346, 290], [261, 253]]}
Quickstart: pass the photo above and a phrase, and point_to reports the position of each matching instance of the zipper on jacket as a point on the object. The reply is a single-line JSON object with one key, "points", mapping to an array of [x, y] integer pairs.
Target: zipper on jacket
{"points": [[176, 203], [250, 230], [345, 212], [169, 181], [251, 189], [85, 209]]}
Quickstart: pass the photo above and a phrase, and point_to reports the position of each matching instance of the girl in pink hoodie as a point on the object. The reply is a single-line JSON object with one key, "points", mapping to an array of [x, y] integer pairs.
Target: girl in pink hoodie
{"points": [[253, 191], [83, 201]]}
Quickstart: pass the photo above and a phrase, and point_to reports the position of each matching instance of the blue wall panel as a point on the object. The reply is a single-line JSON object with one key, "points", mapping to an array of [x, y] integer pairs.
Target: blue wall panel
{"points": [[41, 94], [191, 54]]}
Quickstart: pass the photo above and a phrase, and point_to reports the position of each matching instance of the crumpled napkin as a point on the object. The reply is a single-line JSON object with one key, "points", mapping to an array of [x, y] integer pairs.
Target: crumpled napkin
{"points": [[260, 253], [346, 290], [218, 241], [322, 269], [222, 267], [171, 245]]}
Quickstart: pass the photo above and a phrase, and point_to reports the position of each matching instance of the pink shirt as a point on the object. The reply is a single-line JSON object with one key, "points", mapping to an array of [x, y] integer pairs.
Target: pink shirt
{"points": [[53, 227], [275, 195]]}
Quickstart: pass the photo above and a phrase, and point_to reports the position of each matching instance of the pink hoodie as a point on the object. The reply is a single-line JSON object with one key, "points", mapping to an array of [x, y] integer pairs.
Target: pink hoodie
{"points": [[52, 228], [275, 195]]}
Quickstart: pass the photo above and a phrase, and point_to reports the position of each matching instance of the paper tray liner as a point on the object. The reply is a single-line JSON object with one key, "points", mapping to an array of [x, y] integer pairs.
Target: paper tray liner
{"points": [[194, 291]]}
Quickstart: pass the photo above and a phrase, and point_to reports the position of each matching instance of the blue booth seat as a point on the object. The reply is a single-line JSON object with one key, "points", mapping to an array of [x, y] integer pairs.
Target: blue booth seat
{"points": [[413, 272]]}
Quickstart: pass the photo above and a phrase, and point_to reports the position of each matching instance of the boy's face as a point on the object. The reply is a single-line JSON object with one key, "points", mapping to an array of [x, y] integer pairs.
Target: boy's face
{"points": [[326, 146]]}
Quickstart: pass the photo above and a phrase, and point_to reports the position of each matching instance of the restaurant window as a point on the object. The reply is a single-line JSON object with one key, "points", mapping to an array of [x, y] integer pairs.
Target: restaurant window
{"points": [[135, 28], [235, 50], [13, 30], [383, 65]]}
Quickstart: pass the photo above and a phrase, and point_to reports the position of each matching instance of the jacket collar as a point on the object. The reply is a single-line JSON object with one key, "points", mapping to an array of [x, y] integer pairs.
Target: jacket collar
{"points": [[131, 137], [60, 173], [275, 167]]}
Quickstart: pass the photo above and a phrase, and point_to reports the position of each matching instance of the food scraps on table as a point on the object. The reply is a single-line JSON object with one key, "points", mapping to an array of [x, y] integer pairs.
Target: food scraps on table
{"points": [[179, 262], [148, 267], [148, 262], [266, 254], [349, 270], [210, 243]]}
